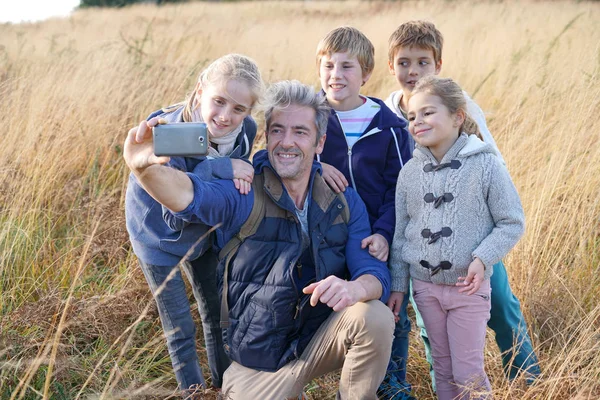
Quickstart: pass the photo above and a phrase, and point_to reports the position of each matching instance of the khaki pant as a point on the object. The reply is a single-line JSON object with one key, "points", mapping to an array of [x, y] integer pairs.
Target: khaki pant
{"points": [[357, 339]]}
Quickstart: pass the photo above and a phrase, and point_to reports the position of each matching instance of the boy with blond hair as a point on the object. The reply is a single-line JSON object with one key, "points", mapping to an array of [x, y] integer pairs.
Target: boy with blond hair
{"points": [[415, 51], [366, 146]]}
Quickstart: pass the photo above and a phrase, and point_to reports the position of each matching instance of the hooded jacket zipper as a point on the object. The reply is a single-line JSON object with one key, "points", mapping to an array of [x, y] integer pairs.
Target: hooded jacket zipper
{"points": [[371, 132]]}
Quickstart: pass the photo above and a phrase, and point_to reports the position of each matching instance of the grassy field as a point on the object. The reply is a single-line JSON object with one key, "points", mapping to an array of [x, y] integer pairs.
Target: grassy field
{"points": [[76, 317]]}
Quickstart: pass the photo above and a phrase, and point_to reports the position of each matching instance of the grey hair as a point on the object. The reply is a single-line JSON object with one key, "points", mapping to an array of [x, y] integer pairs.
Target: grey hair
{"points": [[283, 94]]}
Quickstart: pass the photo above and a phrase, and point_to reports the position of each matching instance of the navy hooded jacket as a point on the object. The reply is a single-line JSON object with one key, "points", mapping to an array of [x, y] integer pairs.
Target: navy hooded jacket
{"points": [[372, 164]]}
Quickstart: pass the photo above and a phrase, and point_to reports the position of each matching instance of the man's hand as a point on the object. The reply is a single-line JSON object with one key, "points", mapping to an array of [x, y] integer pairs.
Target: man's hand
{"points": [[394, 303], [378, 246], [138, 150], [334, 178], [474, 279], [335, 292]]}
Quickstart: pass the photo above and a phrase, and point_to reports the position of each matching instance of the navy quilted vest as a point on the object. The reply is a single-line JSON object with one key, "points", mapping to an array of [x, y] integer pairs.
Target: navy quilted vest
{"points": [[270, 319]]}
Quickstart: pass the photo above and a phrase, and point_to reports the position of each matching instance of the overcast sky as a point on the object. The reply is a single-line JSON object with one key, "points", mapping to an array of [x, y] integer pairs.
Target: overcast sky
{"points": [[35, 10]]}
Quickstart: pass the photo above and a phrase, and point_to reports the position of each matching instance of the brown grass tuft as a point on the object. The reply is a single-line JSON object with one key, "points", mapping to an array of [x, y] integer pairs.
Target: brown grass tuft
{"points": [[76, 317]]}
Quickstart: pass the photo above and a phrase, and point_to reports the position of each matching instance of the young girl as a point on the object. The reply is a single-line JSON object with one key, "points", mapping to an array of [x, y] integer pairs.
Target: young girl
{"points": [[457, 214], [223, 99]]}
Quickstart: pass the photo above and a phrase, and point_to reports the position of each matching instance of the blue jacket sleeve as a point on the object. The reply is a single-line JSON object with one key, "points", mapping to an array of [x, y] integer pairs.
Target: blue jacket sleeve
{"points": [[217, 202], [359, 261], [398, 153], [214, 168], [207, 170], [175, 224]]}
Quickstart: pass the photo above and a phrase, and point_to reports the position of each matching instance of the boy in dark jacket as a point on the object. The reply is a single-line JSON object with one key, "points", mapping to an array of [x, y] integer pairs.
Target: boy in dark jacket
{"points": [[366, 146]]}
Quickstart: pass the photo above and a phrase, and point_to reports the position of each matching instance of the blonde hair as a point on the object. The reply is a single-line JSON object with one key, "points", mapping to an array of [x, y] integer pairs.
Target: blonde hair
{"points": [[229, 67], [452, 98], [420, 34], [348, 39]]}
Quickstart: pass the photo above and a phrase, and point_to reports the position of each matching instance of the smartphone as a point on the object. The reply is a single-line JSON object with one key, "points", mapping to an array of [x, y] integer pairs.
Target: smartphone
{"points": [[183, 139]]}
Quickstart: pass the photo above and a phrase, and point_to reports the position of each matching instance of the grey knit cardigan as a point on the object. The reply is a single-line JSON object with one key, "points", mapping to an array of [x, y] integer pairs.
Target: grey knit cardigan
{"points": [[450, 212]]}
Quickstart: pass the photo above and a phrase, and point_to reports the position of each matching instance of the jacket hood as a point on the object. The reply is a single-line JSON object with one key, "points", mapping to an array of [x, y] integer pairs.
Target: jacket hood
{"points": [[474, 146], [388, 118], [392, 102], [260, 160], [465, 146]]}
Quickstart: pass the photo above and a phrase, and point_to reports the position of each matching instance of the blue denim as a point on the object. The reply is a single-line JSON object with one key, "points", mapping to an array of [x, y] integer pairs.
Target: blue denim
{"points": [[202, 274], [508, 324], [177, 322], [394, 385]]}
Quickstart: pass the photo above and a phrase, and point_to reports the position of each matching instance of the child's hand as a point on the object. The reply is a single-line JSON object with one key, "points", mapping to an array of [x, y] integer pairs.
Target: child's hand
{"points": [[242, 185], [378, 246], [334, 178], [474, 277], [242, 170], [394, 303]]}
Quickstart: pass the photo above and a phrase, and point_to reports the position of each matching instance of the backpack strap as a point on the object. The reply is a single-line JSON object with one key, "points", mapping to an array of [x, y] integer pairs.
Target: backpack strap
{"points": [[324, 196], [248, 229], [346, 210]]}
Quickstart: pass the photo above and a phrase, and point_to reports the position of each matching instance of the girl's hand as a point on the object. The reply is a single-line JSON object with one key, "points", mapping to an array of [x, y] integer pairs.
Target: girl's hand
{"points": [[242, 185], [394, 303], [138, 150], [334, 178], [242, 170], [474, 277], [378, 246]]}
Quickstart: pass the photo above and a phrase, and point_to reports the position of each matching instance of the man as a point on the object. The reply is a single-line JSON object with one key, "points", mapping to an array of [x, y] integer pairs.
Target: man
{"points": [[292, 314]]}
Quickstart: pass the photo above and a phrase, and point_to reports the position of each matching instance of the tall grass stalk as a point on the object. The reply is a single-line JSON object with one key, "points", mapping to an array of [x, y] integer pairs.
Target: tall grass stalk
{"points": [[76, 316]]}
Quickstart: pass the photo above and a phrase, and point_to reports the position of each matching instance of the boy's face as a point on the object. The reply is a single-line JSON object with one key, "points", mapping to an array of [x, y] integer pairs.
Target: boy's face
{"points": [[412, 63], [341, 78]]}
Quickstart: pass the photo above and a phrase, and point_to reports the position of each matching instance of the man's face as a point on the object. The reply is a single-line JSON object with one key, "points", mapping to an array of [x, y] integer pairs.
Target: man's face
{"points": [[292, 142]]}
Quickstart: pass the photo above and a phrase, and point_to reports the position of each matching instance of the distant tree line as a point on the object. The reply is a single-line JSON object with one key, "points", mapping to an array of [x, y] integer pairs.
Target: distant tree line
{"points": [[122, 3]]}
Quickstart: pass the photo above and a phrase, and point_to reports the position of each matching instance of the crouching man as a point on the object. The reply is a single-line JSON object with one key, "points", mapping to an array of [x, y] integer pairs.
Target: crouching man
{"points": [[300, 297]]}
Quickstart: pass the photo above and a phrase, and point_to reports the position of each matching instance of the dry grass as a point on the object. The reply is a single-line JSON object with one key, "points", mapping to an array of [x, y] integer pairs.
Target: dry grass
{"points": [[76, 317]]}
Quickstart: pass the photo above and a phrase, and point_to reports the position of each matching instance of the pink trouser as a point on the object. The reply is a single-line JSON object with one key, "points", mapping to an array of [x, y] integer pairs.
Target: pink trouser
{"points": [[456, 326]]}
